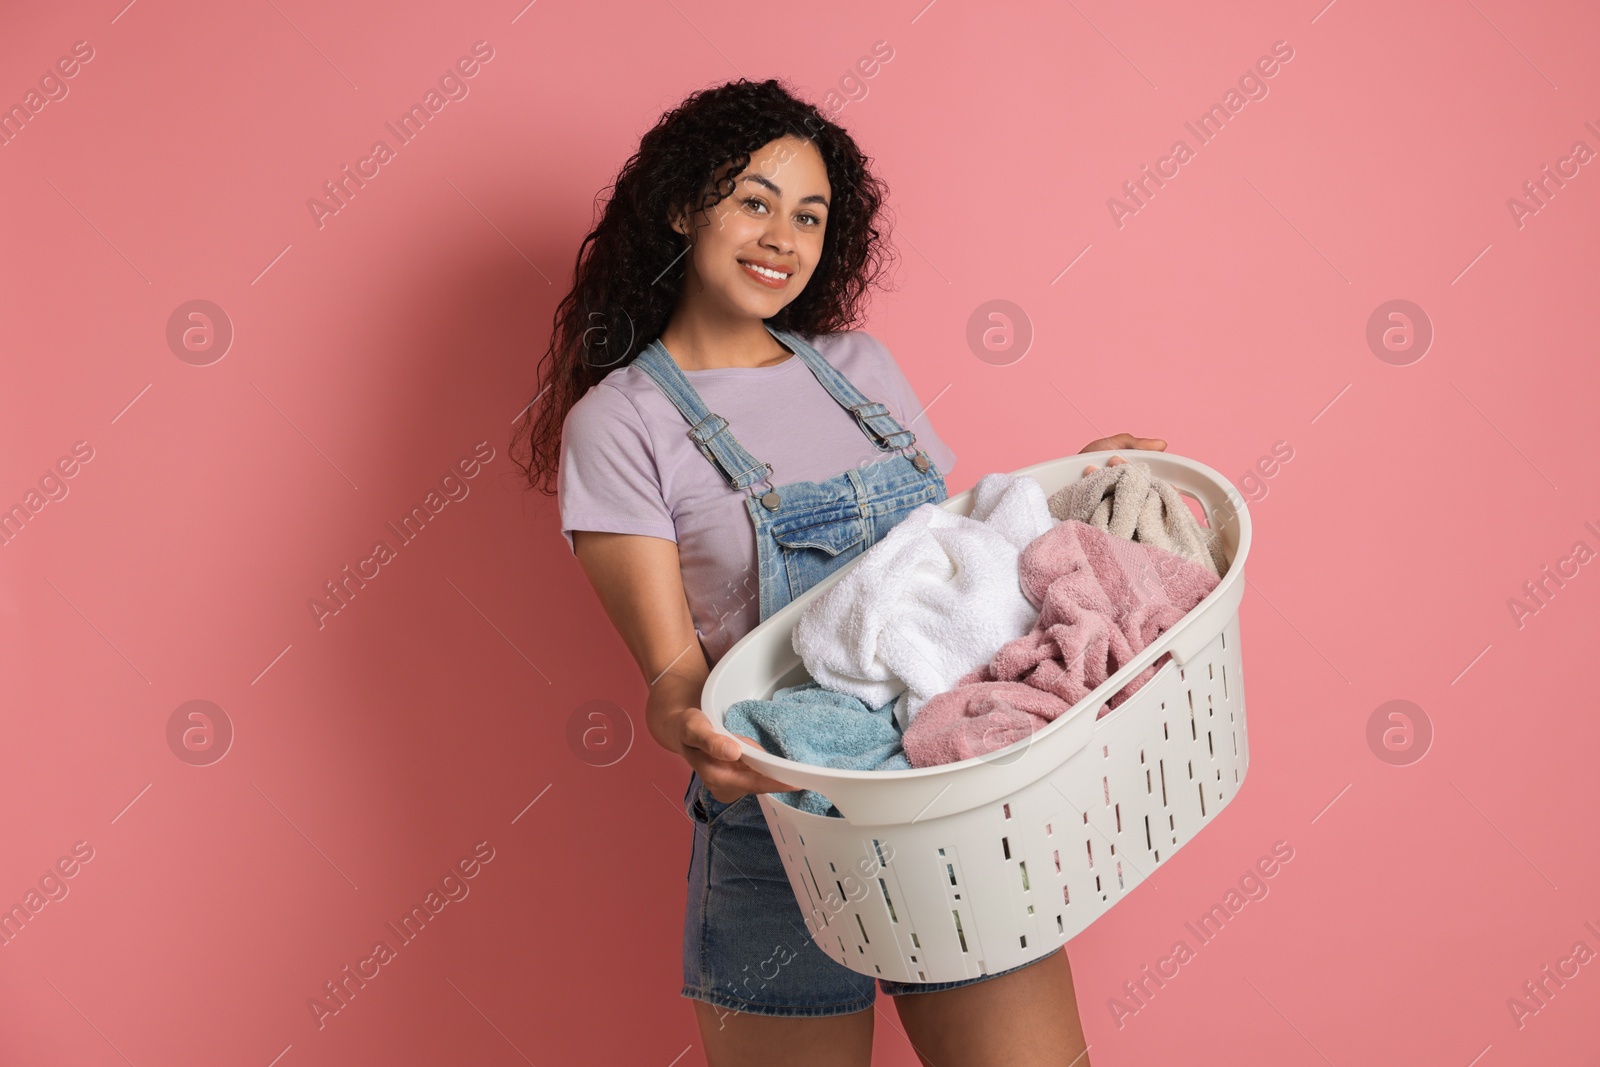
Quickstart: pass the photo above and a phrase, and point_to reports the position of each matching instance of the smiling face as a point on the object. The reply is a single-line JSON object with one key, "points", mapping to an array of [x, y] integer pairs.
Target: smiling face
{"points": [[756, 249]]}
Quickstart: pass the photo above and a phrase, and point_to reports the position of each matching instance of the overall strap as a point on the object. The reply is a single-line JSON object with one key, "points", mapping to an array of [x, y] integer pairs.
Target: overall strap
{"points": [[716, 442], [874, 417], [708, 431]]}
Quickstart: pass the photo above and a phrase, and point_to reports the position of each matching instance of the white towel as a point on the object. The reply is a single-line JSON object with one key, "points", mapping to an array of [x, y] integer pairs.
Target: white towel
{"points": [[935, 598]]}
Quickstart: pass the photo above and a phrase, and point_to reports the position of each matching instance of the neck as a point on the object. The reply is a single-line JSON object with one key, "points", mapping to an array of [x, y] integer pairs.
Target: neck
{"points": [[700, 339]]}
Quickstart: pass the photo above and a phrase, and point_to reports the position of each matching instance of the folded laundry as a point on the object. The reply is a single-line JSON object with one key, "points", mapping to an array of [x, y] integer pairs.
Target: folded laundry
{"points": [[936, 597], [810, 724], [1101, 600], [1130, 502]]}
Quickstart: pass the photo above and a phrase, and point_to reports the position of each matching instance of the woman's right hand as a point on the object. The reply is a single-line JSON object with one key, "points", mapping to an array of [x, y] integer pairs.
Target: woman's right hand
{"points": [[639, 581], [716, 758]]}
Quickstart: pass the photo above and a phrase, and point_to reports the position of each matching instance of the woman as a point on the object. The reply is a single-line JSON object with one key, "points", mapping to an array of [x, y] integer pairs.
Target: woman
{"points": [[744, 443]]}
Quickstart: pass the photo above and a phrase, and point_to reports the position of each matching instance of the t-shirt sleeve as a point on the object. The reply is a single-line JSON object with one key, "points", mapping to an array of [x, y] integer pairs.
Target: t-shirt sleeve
{"points": [[908, 409], [607, 478]]}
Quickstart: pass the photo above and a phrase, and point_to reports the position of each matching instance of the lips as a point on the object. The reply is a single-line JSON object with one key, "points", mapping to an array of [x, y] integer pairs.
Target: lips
{"points": [[769, 274]]}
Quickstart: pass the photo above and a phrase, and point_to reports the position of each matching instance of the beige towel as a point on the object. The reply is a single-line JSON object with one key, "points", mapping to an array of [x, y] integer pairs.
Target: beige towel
{"points": [[1130, 502]]}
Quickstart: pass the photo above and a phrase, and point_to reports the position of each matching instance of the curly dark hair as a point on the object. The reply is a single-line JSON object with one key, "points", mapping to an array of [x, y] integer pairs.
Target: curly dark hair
{"points": [[629, 269]]}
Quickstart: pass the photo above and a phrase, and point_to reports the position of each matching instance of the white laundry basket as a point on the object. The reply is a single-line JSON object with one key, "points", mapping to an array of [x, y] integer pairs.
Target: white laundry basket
{"points": [[943, 873]]}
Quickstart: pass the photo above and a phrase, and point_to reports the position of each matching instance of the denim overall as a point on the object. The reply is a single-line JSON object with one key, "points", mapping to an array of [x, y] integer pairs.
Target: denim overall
{"points": [[745, 944]]}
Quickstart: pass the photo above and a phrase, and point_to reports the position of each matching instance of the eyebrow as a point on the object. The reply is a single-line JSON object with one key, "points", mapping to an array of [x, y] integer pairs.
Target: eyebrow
{"points": [[814, 198]]}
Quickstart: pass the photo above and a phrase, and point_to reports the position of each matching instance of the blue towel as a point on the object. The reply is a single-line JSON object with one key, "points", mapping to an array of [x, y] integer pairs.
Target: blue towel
{"points": [[822, 727]]}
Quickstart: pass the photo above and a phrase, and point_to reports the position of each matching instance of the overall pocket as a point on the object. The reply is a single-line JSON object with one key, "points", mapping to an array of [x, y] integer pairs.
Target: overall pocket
{"points": [[829, 535], [707, 810], [813, 551]]}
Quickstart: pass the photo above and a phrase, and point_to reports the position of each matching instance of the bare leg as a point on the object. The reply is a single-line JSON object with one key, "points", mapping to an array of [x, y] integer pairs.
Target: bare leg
{"points": [[1026, 1019], [734, 1039]]}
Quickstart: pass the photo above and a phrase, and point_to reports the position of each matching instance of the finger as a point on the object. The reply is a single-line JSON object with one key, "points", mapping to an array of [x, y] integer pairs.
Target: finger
{"points": [[1128, 440], [734, 782], [756, 781], [753, 741], [730, 774], [700, 734], [741, 775], [760, 783], [724, 793]]}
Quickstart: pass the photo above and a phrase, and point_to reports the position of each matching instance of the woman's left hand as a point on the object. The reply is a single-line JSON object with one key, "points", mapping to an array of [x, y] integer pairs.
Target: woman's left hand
{"points": [[1121, 440]]}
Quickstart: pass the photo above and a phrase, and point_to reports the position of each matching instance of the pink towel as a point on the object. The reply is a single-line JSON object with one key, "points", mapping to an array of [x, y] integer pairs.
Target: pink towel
{"points": [[1101, 600]]}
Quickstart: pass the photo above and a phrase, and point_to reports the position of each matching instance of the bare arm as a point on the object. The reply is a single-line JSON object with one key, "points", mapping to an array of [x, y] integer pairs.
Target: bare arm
{"points": [[640, 585]]}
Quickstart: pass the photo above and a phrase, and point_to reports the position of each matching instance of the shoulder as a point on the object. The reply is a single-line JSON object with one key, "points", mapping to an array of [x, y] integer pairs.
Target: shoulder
{"points": [[853, 350], [608, 412], [864, 359], [867, 362]]}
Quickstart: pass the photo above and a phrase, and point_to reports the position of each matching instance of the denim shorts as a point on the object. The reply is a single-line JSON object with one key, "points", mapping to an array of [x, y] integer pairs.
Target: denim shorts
{"points": [[745, 943]]}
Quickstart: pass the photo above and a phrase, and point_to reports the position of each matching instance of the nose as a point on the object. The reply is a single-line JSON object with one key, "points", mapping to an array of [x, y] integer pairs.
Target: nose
{"points": [[779, 234]]}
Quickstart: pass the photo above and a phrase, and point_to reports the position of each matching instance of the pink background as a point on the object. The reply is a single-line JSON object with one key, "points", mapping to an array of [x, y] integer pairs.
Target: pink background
{"points": [[372, 753]]}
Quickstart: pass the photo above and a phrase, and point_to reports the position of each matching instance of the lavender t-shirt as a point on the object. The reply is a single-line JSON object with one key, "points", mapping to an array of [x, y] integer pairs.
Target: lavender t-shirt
{"points": [[628, 465]]}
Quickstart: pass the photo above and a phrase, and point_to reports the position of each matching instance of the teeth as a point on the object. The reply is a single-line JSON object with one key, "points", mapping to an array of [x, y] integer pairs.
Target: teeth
{"points": [[765, 273]]}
